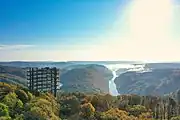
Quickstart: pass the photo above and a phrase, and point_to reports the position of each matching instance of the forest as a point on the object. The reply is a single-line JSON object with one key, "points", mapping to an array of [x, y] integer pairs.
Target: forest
{"points": [[18, 103]]}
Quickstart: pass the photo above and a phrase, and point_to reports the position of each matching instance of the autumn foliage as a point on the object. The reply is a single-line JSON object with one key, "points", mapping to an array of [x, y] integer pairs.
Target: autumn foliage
{"points": [[17, 103]]}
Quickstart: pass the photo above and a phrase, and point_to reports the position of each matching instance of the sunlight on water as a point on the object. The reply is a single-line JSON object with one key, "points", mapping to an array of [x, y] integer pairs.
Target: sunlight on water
{"points": [[115, 67]]}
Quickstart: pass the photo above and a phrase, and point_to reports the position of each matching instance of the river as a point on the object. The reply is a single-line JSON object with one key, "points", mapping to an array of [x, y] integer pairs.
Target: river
{"points": [[114, 67], [112, 85]]}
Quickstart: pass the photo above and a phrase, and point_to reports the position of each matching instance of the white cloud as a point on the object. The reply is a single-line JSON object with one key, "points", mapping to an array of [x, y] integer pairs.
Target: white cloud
{"points": [[15, 47]]}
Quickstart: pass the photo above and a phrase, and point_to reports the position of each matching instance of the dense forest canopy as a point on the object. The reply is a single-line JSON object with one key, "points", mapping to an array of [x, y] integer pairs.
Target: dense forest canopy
{"points": [[18, 103]]}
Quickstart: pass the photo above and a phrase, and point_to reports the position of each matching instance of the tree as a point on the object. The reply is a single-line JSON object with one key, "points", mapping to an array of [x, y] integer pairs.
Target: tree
{"points": [[87, 111], [19, 117], [5, 118], [145, 116], [30, 96], [5, 89], [134, 100], [4, 110], [116, 114], [14, 104], [102, 103], [69, 105], [136, 110], [22, 95], [52, 100], [10, 100], [40, 108]]}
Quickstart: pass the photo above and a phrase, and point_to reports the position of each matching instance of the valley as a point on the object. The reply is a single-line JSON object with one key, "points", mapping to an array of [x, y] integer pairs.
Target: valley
{"points": [[97, 77]]}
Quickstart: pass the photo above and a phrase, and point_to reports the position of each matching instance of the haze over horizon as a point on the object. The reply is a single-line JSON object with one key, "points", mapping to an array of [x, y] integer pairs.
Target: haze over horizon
{"points": [[91, 30]]}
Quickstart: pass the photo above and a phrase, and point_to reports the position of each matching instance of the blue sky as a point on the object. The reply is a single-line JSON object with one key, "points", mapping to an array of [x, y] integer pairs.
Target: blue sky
{"points": [[55, 21], [89, 29]]}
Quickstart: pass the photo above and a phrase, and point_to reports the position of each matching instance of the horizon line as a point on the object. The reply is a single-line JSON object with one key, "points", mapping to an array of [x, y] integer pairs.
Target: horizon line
{"points": [[127, 61]]}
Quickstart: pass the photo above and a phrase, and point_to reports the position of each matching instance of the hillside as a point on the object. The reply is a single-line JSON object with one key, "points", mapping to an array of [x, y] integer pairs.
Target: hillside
{"points": [[156, 82], [12, 70], [61, 65], [163, 65], [87, 78], [82, 78], [21, 64], [12, 75]]}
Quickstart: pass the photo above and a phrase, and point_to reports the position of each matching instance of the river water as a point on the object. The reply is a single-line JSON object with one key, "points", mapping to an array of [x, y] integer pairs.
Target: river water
{"points": [[114, 67], [112, 85]]}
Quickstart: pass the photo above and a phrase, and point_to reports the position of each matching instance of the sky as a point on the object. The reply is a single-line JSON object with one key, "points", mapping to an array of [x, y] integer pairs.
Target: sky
{"points": [[71, 30]]}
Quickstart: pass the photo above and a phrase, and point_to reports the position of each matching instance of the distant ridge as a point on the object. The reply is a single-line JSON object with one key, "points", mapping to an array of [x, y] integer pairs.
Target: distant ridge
{"points": [[59, 64]]}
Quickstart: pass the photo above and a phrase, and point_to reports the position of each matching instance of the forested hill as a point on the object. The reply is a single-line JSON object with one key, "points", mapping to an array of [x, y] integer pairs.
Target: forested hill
{"points": [[82, 78], [17, 103], [154, 82], [87, 78], [12, 75], [12, 70]]}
